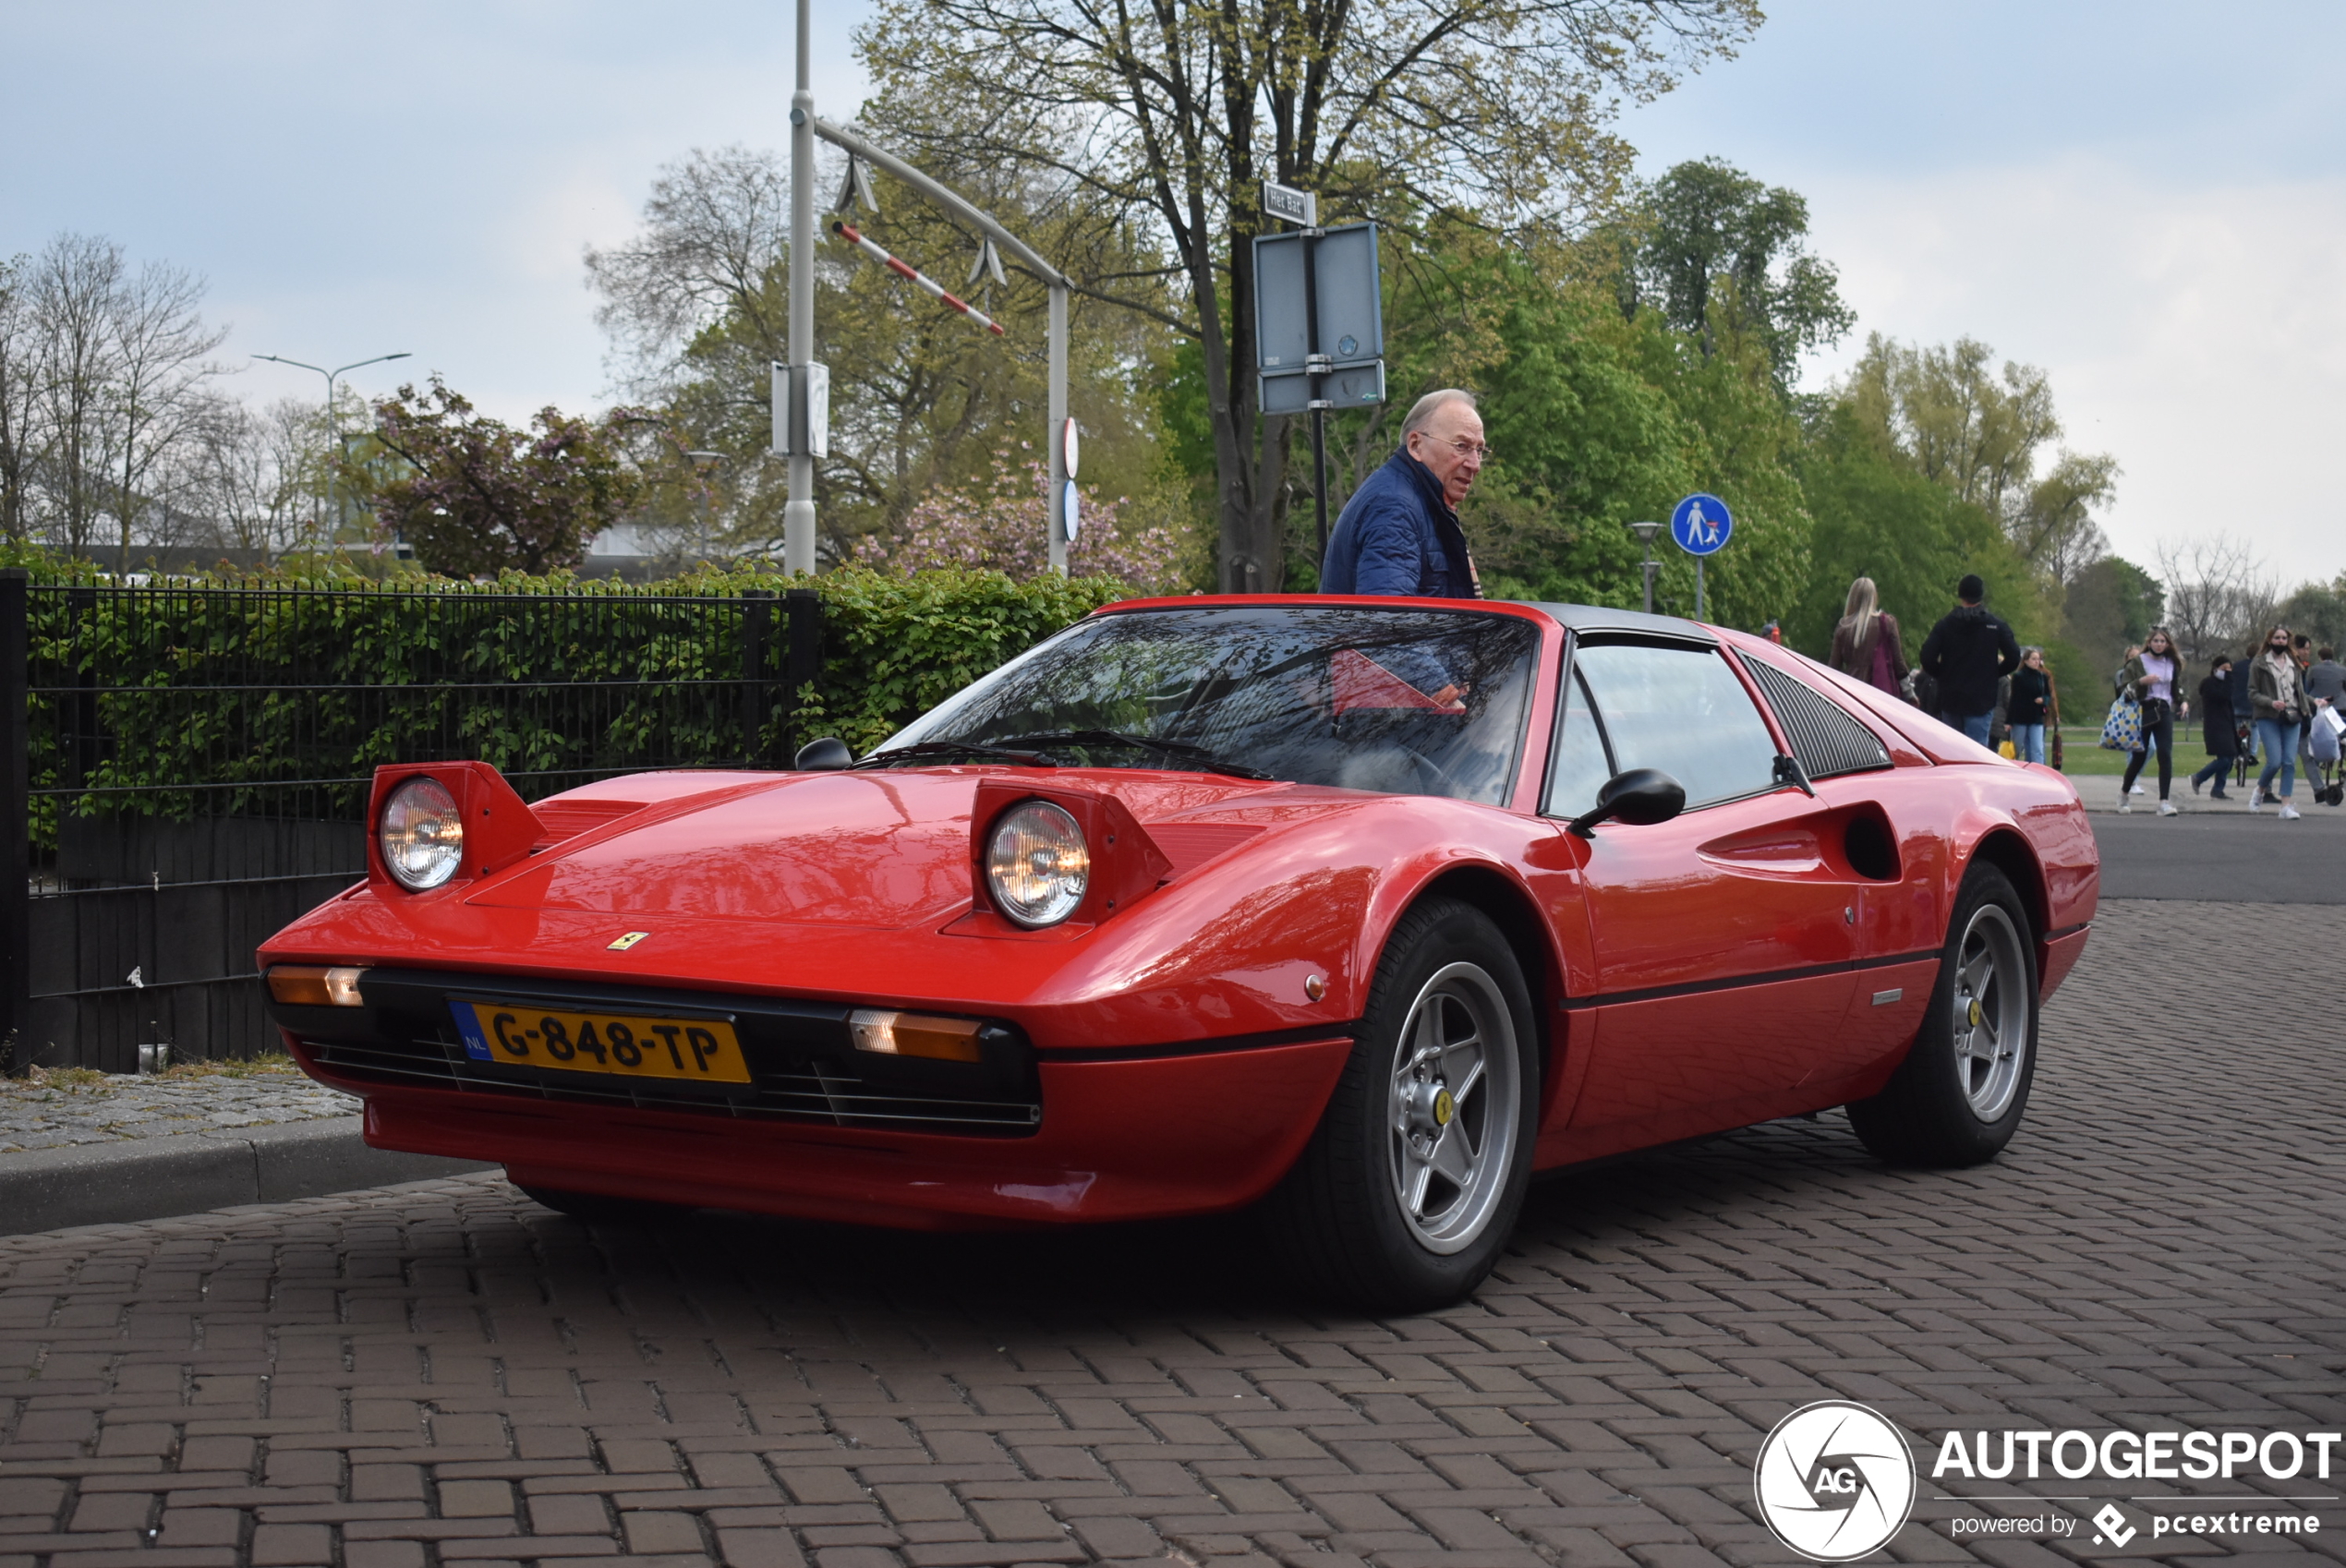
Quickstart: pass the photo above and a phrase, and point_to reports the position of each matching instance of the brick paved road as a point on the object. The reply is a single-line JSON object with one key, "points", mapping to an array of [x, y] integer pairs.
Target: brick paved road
{"points": [[446, 1374]]}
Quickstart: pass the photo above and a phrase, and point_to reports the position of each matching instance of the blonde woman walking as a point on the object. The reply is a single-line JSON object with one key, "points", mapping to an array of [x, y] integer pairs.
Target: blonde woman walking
{"points": [[1866, 644]]}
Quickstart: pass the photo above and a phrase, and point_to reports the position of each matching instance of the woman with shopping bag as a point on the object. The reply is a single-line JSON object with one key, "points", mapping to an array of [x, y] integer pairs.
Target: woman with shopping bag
{"points": [[2151, 678]]}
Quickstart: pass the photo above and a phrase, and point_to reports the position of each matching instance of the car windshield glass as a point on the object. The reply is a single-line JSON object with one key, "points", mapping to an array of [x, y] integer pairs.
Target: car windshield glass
{"points": [[1405, 701]]}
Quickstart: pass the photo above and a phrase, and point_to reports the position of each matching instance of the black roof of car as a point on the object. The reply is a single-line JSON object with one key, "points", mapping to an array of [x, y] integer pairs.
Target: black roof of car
{"points": [[1584, 619]]}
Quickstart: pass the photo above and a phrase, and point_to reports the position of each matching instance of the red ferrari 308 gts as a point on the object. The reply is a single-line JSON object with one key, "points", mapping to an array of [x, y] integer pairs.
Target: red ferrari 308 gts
{"points": [[1360, 910]]}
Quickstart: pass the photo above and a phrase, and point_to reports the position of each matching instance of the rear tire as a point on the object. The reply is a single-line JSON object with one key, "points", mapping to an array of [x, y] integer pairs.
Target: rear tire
{"points": [[1958, 1097], [1410, 1186]]}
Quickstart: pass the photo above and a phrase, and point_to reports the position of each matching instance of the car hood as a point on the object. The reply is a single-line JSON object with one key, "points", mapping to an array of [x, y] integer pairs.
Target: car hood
{"points": [[882, 850]]}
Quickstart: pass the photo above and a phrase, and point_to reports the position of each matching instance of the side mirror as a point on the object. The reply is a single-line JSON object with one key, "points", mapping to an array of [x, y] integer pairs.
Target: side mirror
{"points": [[1640, 796], [827, 755]]}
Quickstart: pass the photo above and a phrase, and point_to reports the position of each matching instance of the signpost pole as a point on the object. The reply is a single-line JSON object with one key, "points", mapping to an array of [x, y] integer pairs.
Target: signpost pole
{"points": [[1056, 531], [1313, 361], [1698, 588], [798, 513]]}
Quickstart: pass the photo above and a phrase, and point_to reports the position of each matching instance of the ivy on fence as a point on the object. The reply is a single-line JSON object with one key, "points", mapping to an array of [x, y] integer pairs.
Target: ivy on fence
{"points": [[237, 682]]}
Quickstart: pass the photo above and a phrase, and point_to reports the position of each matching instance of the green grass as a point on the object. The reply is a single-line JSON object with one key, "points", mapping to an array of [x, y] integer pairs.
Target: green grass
{"points": [[2083, 757]]}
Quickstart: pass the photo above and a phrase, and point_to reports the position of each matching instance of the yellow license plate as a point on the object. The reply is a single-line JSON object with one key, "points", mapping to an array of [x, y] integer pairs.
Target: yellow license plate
{"points": [[632, 1044]]}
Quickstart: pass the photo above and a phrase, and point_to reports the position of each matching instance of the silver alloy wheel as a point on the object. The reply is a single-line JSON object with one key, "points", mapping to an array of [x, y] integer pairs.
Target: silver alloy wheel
{"points": [[1991, 1002], [1454, 1107]]}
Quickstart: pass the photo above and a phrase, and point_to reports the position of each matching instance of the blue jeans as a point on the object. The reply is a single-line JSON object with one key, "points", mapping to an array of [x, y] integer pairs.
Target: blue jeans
{"points": [[1976, 727], [2279, 743], [2028, 741]]}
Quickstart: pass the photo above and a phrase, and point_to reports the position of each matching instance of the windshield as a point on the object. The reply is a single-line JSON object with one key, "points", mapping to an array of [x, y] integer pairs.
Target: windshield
{"points": [[1402, 701]]}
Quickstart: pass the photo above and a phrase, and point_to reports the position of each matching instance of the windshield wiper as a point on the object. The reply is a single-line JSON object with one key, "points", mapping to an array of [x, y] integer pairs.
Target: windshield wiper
{"points": [[1180, 752], [922, 749]]}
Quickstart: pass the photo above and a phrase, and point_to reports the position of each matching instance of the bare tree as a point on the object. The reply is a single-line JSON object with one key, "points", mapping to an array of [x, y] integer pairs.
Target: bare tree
{"points": [[156, 400], [74, 288], [20, 431], [244, 480], [2220, 595]]}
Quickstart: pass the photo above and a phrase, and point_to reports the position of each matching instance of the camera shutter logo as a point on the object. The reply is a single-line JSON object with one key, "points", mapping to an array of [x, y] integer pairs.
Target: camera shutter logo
{"points": [[1834, 1481]]}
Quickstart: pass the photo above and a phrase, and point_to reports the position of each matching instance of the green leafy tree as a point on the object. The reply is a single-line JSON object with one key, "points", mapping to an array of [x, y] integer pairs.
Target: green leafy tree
{"points": [[1979, 431], [478, 497], [1173, 114], [1720, 254], [1877, 515]]}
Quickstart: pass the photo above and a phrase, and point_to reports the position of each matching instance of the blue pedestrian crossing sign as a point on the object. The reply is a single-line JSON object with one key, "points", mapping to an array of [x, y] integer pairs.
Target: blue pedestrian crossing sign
{"points": [[1701, 524]]}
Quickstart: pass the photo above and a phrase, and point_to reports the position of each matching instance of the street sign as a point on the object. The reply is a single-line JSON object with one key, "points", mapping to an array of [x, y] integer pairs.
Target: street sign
{"points": [[1066, 507], [1295, 206], [1071, 447], [1340, 289], [1702, 525]]}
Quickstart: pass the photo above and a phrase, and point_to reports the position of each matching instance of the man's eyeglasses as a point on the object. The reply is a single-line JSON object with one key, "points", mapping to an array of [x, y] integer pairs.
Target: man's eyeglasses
{"points": [[1466, 448]]}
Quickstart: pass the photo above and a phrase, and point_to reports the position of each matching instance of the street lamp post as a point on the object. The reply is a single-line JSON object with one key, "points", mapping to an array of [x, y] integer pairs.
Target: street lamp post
{"points": [[702, 462], [333, 419], [1645, 532]]}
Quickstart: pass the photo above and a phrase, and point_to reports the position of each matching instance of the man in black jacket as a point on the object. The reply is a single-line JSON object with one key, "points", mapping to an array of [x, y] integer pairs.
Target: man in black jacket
{"points": [[1968, 653]]}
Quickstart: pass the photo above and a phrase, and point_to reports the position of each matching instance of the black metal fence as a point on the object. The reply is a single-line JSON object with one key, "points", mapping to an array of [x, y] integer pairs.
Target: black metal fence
{"points": [[183, 769]]}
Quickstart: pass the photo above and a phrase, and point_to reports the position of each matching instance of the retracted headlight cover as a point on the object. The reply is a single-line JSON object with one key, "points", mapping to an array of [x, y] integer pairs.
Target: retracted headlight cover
{"points": [[437, 823], [1051, 855]]}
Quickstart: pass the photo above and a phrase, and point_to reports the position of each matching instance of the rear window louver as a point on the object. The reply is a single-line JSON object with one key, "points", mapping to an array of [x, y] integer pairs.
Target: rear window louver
{"points": [[1826, 740]]}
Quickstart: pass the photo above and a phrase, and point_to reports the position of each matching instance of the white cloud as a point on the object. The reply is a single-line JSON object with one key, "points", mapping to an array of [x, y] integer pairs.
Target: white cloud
{"points": [[2192, 332]]}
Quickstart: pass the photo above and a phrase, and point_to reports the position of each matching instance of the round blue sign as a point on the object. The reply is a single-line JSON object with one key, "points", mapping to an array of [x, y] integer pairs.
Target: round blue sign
{"points": [[1069, 518], [1701, 524]]}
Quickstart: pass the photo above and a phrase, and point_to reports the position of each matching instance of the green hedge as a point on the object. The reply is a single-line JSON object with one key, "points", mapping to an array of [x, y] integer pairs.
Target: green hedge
{"points": [[207, 682]]}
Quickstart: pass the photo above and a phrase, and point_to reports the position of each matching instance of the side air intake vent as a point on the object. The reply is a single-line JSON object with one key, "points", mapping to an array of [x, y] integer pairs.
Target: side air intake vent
{"points": [[1826, 740]]}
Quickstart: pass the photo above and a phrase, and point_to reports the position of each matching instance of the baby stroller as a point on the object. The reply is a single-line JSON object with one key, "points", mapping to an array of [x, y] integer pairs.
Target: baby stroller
{"points": [[2322, 748]]}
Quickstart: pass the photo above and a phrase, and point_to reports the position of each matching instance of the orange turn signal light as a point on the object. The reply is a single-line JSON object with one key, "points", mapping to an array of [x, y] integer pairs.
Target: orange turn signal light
{"points": [[916, 1035], [312, 985]]}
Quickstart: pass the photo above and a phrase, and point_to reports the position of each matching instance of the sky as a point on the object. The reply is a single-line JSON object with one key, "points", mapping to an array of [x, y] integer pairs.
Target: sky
{"points": [[2142, 198]]}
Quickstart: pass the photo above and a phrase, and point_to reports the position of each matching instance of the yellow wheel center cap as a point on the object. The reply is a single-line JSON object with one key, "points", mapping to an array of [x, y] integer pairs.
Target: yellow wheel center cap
{"points": [[1975, 1014], [1444, 1108]]}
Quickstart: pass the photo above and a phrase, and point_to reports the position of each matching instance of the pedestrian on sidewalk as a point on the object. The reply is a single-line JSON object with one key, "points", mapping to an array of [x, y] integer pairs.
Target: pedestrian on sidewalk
{"points": [[1400, 533], [1867, 644], [2218, 727], [2277, 693], [2030, 705], [2153, 677], [1966, 654], [2118, 689]]}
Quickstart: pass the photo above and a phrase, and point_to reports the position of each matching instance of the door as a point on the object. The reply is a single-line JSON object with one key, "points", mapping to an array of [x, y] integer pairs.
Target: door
{"points": [[1723, 938]]}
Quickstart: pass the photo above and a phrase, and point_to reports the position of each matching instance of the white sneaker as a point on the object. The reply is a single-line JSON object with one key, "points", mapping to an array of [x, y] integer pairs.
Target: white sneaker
{"points": [[2138, 790], [2124, 805], [2288, 812], [2254, 805], [2167, 808]]}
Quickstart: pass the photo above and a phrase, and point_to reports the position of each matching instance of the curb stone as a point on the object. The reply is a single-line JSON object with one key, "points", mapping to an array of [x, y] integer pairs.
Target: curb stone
{"points": [[156, 1178]]}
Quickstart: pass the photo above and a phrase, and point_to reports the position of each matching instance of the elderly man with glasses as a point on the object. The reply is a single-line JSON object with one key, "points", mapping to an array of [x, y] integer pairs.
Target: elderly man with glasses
{"points": [[1400, 533]]}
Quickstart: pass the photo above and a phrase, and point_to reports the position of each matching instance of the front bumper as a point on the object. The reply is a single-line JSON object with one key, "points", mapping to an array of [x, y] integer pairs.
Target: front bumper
{"points": [[824, 1132]]}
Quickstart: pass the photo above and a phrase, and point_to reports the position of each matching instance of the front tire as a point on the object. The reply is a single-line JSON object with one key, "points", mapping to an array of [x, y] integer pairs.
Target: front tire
{"points": [[1958, 1097], [1410, 1186]]}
